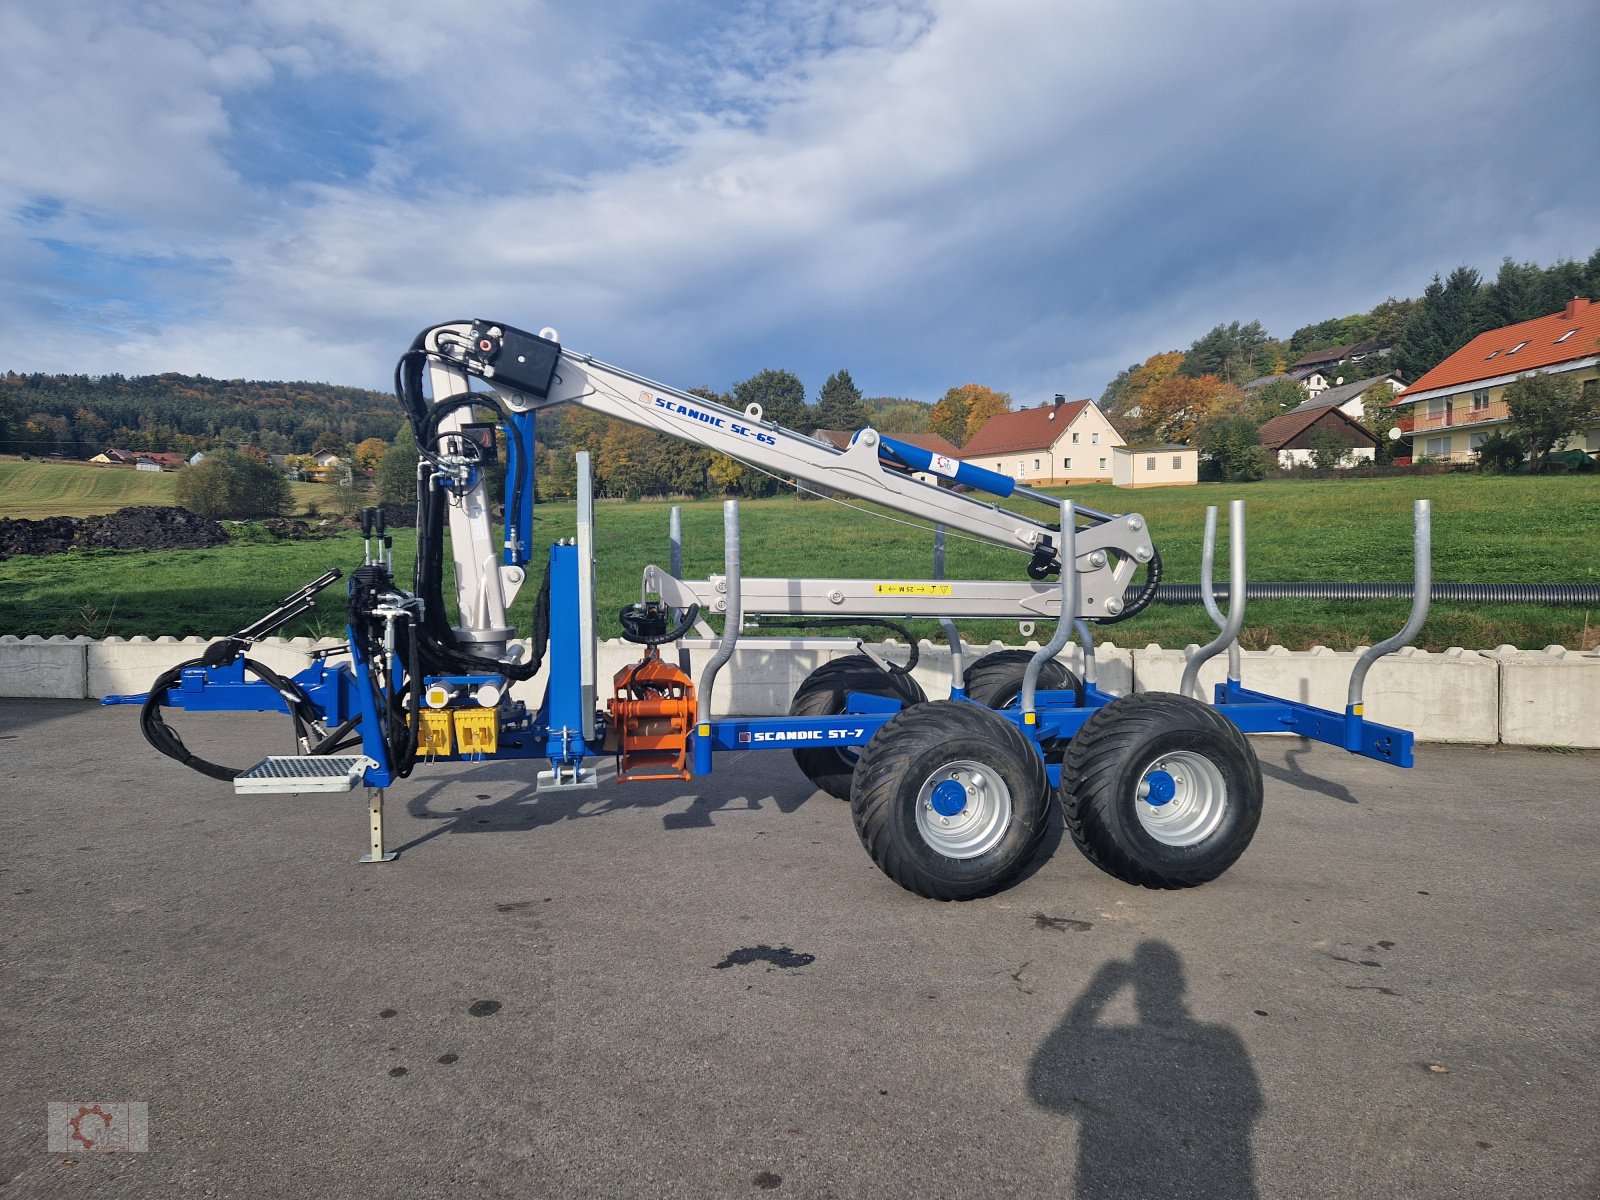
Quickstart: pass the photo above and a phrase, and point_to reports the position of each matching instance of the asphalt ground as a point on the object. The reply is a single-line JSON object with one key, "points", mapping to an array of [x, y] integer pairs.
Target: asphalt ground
{"points": [[707, 989]]}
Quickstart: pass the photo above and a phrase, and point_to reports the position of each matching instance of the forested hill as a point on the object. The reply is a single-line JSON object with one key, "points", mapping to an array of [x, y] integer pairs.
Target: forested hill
{"points": [[80, 415]]}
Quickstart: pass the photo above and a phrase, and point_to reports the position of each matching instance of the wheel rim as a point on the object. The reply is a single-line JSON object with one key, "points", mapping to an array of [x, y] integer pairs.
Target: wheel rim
{"points": [[1181, 798], [963, 809]]}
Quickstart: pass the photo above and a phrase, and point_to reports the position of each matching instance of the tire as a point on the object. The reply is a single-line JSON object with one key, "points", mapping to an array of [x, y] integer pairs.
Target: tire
{"points": [[824, 693], [995, 680], [946, 853], [1171, 746]]}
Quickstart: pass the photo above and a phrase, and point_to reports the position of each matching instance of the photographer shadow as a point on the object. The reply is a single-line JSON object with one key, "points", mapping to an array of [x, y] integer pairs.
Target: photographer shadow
{"points": [[1165, 1106]]}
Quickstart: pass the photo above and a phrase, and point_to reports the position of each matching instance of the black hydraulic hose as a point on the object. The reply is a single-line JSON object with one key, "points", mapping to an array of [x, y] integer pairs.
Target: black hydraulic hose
{"points": [[165, 739], [1446, 593], [1136, 600]]}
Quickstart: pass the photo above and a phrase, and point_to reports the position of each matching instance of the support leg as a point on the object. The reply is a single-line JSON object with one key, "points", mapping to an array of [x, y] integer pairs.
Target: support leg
{"points": [[375, 828]]}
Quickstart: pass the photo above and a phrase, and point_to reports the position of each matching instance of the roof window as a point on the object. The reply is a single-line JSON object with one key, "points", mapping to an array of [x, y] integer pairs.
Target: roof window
{"points": [[1565, 336], [1517, 347], [1490, 355]]}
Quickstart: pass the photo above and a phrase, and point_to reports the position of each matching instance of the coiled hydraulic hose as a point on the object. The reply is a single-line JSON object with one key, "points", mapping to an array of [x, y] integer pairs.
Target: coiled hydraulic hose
{"points": [[1447, 593]]}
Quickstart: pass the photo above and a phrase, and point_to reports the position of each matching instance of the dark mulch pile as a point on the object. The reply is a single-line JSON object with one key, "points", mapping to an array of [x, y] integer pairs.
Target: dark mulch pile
{"points": [[145, 527]]}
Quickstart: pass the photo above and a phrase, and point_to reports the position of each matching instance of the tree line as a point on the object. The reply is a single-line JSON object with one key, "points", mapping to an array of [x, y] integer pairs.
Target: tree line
{"points": [[79, 416]]}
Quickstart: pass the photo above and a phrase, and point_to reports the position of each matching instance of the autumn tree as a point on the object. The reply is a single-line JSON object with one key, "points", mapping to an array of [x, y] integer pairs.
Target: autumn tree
{"points": [[964, 410], [368, 453], [1128, 390], [1174, 407], [1547, 409], [839, 404]]}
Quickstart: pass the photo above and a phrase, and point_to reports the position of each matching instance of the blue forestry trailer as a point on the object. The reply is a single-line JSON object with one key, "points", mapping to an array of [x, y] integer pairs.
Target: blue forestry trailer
{"points": [[950, 797]]}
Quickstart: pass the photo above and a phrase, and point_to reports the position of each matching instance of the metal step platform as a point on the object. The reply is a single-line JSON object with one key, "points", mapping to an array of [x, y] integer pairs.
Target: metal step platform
{"points": [[285, 774]]}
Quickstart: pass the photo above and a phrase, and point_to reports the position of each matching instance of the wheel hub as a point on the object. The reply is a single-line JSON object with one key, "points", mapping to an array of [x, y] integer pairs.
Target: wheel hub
{"points": [[1159, 787], [949, 798], [963, 809], [1181, 798]]}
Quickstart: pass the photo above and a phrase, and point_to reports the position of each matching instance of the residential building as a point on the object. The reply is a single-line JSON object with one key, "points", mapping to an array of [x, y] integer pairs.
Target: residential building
{"points": [[1154, 466], [1451, 410], [1292, 437], [158, 460], [1054, 443], [1336, 361], [114, 458], [1350, 398], [1314, 381]]}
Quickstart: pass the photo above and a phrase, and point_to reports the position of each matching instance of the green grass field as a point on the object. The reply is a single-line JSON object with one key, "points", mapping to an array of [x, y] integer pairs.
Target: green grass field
{"points": [[53, 488], [1486, 529]]}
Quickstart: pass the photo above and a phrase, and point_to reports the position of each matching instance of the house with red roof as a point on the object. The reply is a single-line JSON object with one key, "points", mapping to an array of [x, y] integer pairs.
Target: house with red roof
{"points": [[1293, 437], [1451, 410], [1054, 443]]}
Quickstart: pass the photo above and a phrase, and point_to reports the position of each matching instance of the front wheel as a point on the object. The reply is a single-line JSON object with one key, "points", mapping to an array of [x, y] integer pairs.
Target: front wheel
{"points": [[1161, 790], [950, 800]]}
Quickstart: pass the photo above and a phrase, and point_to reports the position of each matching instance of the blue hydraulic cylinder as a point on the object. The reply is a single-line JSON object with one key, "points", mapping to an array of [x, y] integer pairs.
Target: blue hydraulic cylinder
{"points": [[915, 458]]}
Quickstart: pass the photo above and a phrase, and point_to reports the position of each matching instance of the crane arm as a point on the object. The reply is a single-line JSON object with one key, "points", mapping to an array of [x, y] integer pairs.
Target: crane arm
{"points": [[531, 372]]}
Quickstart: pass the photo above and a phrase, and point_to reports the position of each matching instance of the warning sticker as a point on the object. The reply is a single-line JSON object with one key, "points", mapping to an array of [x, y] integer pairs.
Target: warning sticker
{"points": [[911, 589]]}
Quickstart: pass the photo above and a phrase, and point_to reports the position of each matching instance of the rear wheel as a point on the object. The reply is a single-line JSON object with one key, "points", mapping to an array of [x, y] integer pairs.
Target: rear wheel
{"points": [[1161, 790], [824, 694], [995, 680], [950, 800]]}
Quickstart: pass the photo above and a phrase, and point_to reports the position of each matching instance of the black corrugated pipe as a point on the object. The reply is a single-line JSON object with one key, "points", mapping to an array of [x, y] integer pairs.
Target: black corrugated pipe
{"points": [[1443, 593]]}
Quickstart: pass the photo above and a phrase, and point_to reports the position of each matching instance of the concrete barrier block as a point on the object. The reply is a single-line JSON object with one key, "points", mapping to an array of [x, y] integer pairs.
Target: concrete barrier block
{"points": [[123, 666], [1451, 696], [36, 668], [1548, 697], [118, 667]]}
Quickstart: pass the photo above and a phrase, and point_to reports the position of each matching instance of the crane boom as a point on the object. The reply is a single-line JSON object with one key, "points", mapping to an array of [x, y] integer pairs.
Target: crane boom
{"points": [[531, 372]]}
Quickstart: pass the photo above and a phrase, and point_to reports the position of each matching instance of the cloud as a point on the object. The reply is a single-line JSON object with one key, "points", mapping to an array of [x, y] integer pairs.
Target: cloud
{"points": [[1021, 193]]}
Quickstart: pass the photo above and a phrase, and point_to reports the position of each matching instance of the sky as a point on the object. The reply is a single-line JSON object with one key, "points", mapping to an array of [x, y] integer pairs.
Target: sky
{"points": [[1027, 194]]}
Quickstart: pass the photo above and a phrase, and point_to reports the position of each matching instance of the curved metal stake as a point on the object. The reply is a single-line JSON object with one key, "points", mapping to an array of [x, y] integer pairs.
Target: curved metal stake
{"points": [[1421, 597], [1235, 620], [1086, 640], [1067, 616], [1208, 597]]}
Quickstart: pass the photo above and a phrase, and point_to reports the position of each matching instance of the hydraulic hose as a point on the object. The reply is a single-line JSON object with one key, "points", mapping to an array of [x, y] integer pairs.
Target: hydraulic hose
{"points": [[165, 739], [1447, 593]]}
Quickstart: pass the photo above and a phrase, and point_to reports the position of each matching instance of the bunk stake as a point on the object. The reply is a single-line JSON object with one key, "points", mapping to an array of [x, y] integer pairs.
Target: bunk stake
{"points": [[375, 828]]}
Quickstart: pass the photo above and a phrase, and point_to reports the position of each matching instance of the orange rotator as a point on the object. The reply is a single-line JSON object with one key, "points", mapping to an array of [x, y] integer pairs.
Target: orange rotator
{"points": [[652, 713]]}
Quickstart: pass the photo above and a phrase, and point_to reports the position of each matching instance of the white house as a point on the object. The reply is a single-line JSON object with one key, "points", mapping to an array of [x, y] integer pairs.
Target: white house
{"points": [[1052, 444]]}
